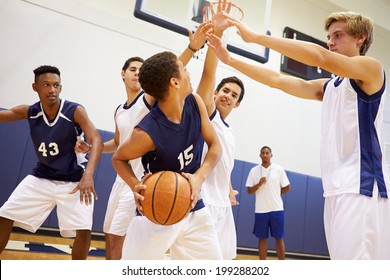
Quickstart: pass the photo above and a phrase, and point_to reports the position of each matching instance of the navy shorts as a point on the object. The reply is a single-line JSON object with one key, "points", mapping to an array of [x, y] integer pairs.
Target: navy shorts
{"points": [[269, 222]]}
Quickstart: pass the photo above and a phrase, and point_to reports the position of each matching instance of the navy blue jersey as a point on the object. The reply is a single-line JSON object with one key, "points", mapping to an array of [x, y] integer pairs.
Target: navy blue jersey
{"points": [[177, 145], [54, 143]]}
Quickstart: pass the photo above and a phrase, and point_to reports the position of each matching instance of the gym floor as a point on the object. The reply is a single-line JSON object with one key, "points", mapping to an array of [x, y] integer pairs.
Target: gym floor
{"points": [[48, 245]]}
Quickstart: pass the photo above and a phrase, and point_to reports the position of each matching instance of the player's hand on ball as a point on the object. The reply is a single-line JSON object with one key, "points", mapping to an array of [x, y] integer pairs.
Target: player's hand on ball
{"points": [[137, 195], [196, 184]]}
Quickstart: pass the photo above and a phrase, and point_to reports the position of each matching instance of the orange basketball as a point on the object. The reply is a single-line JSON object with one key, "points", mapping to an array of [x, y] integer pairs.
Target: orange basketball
{"points": [[167, 197]]}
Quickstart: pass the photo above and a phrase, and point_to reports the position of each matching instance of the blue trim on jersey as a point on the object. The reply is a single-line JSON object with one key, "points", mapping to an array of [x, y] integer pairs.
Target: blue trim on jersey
{"points": [[199, 205], [126, 107], [326, 84], [370, 150], [212, 116]]}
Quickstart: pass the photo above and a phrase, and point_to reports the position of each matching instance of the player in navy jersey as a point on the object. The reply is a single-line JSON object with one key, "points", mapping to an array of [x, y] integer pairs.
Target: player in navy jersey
{"points": [[168, 138], [61, 177], [355, 177]]}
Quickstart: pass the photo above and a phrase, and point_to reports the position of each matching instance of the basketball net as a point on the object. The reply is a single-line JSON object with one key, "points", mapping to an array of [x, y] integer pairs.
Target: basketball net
{"points": [[235, 12]]}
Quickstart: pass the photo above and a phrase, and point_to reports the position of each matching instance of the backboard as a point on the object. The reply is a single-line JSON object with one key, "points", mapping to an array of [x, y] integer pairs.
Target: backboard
{"points": [[180, 15]]}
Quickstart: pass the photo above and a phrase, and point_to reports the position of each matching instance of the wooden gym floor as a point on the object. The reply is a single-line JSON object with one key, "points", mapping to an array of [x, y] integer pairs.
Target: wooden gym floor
{"points": [[50, 246]]}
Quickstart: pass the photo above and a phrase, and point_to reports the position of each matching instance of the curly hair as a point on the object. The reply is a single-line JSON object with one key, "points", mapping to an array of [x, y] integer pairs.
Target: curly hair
{"points": [[156, 72]]}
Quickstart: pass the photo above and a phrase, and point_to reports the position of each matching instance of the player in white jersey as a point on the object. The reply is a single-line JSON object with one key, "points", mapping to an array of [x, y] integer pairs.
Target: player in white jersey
{"points": [[59, 178], [217, 191], [121, 205], [355, 177]]}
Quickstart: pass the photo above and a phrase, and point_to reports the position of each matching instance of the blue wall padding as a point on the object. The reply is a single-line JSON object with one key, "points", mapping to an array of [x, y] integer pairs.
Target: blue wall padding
{"points": [[304, 204]]}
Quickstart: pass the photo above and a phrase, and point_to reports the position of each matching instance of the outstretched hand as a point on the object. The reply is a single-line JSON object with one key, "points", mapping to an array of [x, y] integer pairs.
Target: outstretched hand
{"points": [[198, 39], [242, 30], [218, 18], [220, 50]]}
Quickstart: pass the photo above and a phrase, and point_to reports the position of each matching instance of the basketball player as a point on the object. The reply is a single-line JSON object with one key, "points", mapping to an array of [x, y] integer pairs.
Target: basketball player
{"points": [[121, 205], [355, 177], [59, 178], [217, 191], [168, 139]]}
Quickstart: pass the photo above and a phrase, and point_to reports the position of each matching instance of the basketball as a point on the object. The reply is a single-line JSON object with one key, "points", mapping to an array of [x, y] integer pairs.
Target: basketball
{"points": [[167, 198]]}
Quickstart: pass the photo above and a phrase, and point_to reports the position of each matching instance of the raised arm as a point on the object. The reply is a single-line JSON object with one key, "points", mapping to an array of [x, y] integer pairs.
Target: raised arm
{"points": [[197, 40], [207, 82], [292, 85], [362, 68]]}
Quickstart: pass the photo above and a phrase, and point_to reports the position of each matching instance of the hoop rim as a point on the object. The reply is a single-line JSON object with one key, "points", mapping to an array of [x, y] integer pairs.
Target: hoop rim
{"points": [[214, 3]]}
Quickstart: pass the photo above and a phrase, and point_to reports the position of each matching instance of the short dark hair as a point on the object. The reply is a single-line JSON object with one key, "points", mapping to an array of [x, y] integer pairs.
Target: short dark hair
{"points": [[156, 72], [266, 147], [46, 69], [234, 80], [130, 60]]}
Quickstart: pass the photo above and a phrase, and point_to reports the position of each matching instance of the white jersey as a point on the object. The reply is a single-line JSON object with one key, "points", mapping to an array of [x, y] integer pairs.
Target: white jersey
{"points": [[268, 196], [351, 156], [127, 117], [216, 187]]}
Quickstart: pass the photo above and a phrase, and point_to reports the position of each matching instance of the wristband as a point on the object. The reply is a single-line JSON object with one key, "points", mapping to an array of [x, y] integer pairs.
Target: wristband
{"points": [[189, 47]]}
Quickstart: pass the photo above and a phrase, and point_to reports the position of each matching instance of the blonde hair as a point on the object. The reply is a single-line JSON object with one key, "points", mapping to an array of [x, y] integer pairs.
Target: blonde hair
{"points": [[357, 26]]}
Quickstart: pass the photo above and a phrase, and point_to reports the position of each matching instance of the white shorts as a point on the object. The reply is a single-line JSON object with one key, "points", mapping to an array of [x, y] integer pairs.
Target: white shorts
{"points": [[34, 198], [357, 226], [120, 209], [226, 230], [193, 238]]}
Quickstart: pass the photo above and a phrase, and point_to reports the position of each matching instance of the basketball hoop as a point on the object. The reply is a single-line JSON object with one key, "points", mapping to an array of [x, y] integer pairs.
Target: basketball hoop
{"points": [[235, 11]]}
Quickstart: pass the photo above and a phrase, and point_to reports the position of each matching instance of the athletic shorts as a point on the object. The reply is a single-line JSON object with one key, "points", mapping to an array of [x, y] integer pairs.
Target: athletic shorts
{"points": [[34, 198], [226, 230], [193, 238], [357, 227], [120, 209], [269, 222]]}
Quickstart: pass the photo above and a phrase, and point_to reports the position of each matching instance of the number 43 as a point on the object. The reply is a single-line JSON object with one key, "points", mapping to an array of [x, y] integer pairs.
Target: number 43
{"points": [[53, 149]]}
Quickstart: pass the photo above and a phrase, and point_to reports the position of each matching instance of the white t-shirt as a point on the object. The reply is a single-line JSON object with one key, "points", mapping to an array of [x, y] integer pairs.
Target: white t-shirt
{"points": [[268, 196]]}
